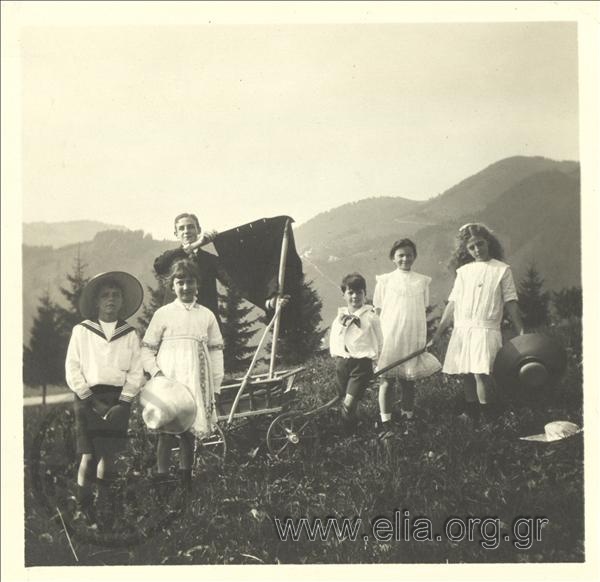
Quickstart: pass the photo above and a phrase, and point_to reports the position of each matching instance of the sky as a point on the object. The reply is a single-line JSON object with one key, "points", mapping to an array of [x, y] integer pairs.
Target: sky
{"points": [[132, 125]]}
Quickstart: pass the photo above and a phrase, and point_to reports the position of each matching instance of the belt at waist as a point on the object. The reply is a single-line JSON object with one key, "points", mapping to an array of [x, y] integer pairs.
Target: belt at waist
{"points": [[478, 323]]}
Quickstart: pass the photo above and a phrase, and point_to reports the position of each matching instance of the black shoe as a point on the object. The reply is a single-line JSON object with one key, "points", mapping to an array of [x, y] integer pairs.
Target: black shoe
{"points": [[86, 516], [407, 425], [349, 420], [385, 430], [85, 510], [185, 479], [107, 503], [489, 412], [470, 413], [163, 487]]}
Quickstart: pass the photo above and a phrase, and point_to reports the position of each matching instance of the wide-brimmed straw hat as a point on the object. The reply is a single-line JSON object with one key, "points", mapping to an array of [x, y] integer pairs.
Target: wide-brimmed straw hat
{"points": [[168, 405], [133, 294], [555, 431]]}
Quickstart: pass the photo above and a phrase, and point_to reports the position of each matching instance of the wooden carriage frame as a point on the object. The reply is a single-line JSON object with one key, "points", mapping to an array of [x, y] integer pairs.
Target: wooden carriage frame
{"points": [[265, 394], [270, 394]]}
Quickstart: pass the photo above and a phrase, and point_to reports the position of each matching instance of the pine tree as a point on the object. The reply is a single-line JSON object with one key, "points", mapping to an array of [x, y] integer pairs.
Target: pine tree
{"points": [[157, 296], [300, 336], [44, 359], [568, 303], [70, 316], [533, 301], [236, 329]]}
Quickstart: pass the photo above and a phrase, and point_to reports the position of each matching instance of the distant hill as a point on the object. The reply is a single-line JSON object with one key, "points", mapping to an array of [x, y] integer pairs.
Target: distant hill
{"points": [[59, 234], [342, 229]]}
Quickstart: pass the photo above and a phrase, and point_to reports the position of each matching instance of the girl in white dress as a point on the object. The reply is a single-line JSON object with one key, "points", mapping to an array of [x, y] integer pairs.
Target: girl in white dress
{"points": [[483, 290], [184, 343], [401, 298]]}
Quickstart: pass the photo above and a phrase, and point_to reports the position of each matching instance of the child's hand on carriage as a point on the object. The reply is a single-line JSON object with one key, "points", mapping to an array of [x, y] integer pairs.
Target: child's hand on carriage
{"points": [[271, 303], [208, 237]]}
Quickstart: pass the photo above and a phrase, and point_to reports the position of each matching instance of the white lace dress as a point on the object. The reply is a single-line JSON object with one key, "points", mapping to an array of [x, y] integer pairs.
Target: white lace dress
{"points": [[480, 291], [185, 343], [402, 297]]}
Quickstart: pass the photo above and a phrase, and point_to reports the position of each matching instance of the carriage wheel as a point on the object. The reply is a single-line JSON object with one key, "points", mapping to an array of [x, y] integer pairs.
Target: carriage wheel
{"points": [[211, 450], [290, 433]]}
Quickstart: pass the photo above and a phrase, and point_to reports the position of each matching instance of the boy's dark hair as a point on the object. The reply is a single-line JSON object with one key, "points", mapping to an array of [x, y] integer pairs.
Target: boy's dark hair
{"points": [[353, 281], [186, 215], [183, 268], [403, 242]]}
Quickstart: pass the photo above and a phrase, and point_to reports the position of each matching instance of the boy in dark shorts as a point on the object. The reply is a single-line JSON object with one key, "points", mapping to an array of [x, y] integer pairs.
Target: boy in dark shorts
{"points": [[355, 342], [104, 369]]}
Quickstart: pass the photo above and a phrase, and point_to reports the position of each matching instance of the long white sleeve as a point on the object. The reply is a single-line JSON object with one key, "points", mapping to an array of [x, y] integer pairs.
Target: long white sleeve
{"points": [[135, 374], [73, 366], [151, 343]]}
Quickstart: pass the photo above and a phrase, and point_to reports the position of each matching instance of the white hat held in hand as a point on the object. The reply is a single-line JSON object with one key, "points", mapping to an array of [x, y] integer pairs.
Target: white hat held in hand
{"points": [[168, 405]]}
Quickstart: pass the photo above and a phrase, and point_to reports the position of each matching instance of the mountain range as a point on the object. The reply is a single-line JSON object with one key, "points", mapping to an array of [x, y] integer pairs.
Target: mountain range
{"points": [[532, 203], [59, 234]]}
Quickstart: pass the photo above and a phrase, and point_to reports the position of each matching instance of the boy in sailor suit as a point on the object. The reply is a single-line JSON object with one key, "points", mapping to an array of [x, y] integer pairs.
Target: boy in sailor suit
{"points": [[355, 342], [104, 370]]}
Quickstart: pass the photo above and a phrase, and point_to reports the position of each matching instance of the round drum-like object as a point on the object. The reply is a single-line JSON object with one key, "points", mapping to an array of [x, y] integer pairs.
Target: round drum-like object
{"points": [[530, 361], [534, 374]]}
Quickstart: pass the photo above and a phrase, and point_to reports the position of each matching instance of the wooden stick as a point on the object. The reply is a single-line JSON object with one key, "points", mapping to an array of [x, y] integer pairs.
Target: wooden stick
{"points": [[281, 282], [67, 534], [398, 362]]}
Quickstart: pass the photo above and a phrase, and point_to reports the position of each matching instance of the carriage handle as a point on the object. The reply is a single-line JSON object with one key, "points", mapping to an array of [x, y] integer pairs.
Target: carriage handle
{"points": [[337, 399]]}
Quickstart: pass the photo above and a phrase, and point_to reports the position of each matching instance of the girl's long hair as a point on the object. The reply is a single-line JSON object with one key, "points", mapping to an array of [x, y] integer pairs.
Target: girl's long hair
{"points": [[461, 255]]}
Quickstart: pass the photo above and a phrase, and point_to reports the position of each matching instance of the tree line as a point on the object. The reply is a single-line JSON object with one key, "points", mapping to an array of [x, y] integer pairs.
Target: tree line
{"points": [[44, 357]]}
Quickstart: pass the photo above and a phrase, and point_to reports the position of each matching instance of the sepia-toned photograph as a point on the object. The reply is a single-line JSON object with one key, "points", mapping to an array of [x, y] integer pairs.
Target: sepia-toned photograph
{"points": [[299, 286]]}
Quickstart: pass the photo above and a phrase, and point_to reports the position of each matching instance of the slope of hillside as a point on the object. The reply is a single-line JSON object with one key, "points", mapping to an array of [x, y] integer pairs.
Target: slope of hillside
{"points": [[352, 228], [342, 229], [59, 234], [478, 191]]}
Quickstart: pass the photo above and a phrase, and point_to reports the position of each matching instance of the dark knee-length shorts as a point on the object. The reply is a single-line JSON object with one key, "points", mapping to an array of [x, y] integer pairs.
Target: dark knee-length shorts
{"points": [[353, 375], [93, 433]]}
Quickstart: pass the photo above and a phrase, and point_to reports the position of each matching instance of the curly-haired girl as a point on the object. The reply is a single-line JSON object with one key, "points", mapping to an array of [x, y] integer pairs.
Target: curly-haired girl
{"points": [[484, 288]]}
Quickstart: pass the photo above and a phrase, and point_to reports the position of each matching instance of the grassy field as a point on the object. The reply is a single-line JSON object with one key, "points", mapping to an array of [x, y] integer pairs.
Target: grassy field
{"points": [[445, 469]]}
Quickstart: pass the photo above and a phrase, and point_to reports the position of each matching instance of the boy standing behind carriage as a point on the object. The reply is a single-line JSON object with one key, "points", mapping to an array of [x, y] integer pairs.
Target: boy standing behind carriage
{"points": [[355, 341]]}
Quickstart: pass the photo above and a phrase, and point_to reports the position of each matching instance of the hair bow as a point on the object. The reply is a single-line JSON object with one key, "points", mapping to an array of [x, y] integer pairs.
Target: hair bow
{"points": [[477, 224]]}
